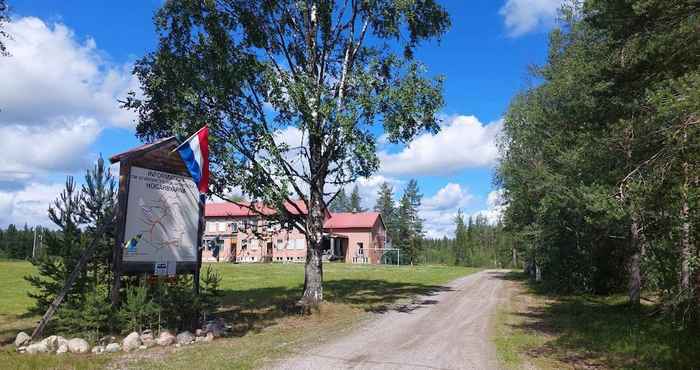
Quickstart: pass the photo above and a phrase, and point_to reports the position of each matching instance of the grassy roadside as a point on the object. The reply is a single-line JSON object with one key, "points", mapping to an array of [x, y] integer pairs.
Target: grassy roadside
{"points": [[257, 301], [536, 330]]}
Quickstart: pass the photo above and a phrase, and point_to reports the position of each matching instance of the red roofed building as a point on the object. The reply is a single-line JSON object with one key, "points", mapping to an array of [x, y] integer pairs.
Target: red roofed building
{"points": [[244, 235]]}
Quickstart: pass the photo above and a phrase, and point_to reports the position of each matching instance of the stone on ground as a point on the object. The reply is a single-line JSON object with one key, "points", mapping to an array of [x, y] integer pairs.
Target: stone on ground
{"points": [[185, 338], [131, 342], [22, 339], [165, 338], [78, 345], [37, 348], [113, 347], [98, 349], [216, 327]]}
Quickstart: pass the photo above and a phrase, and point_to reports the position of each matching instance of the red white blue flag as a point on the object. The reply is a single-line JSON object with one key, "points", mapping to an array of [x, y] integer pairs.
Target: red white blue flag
{"points": [[195, 153]]}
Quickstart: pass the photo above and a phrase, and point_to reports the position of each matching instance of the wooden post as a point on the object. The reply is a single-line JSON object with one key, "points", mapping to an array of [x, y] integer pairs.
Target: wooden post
{"points": [[84, 257], [200, 234], [117, 252]]}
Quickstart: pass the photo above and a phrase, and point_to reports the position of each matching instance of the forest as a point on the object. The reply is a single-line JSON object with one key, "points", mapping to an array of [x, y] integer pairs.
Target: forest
{"points": [[600, 155]]}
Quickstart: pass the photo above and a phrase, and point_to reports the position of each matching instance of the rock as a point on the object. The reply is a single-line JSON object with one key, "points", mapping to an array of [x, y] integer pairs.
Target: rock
{"points": [[22, 349], [216, 327], [54, 342], [199, 333], [165, 338], [22, 339], [147, 334], [78, 345], [113, 347], [185, 338], [63, 348], [37, 348], [106, 340], [199, 339], [131, 342], [209, 337]]}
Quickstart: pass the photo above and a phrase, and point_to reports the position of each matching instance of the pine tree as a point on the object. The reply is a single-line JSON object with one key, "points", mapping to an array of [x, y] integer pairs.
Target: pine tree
{"points": [[387, 208], [410, 225], [356, 200], [62, 252], [340, 203], [460, 243]]}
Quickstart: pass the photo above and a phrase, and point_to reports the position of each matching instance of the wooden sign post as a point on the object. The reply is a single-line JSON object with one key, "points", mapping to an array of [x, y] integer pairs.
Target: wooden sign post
{"points": [[160, 215]]}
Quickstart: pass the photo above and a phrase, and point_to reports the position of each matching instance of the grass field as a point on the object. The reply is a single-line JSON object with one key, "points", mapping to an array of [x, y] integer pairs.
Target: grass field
{"points": [[257, 301], [588, 332]]}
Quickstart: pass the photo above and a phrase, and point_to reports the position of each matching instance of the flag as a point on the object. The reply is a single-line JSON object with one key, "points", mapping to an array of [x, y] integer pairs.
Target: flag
{"points": [[195, 153]]}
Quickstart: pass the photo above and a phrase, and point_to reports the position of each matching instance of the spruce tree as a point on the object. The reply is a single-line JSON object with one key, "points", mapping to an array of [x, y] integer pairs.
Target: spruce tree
{"points": [[356, 200], [340, 203], [387, 208]]}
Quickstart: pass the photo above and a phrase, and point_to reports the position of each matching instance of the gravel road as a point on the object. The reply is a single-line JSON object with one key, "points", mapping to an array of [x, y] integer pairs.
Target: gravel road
{"points": [[447, 330]]}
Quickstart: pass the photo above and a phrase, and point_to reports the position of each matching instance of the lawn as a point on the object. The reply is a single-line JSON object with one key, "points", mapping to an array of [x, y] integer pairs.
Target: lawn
{"points": [[588, 332], [258, 301]]}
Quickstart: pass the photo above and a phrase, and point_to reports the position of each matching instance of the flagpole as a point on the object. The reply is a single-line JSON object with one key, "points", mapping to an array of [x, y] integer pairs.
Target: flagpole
{"points": [[188, 139]]}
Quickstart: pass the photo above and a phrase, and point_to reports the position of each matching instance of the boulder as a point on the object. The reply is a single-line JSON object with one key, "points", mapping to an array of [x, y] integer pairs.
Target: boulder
{"points": [[54, 342], [216, 327], [165, 338], [22, 349], [147, 339], [113, 347], [37, 348], [185, 338], [78, 345], [209, 337], [22, 339], [63, 348], [131, 342], [98, 349], [106, 340]]}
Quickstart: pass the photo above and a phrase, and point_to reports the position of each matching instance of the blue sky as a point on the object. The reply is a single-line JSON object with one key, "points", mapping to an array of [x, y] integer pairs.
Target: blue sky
{"points": [[71, 61]]}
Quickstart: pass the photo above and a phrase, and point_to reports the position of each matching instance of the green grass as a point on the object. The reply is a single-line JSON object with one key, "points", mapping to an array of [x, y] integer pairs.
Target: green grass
{"points": [[583, 331], [258, 301]]}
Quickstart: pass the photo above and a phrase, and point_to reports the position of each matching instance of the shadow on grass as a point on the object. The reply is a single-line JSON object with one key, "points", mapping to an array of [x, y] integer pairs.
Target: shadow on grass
{"points": [[255, 309], [604, 332]]}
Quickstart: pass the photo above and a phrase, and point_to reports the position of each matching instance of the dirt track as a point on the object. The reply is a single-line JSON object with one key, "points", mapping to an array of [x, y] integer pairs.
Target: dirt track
{"points": [[447, 330]]}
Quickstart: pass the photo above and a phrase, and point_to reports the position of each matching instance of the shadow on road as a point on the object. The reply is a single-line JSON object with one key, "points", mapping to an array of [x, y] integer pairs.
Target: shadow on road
{"points": [[255, 309]]}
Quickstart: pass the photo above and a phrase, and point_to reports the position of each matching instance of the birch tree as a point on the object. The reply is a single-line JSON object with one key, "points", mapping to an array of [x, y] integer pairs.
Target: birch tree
{"points": [[331, 74]]}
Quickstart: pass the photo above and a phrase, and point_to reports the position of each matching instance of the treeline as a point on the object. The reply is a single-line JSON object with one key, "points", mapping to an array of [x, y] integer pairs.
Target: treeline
{"points": [[600, 158], [476, 243], [18, 243]]}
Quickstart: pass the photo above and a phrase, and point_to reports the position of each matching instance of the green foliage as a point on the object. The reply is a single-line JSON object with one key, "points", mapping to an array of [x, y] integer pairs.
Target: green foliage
{"points": [[138, 311], [386, 206], [409, 225], [356, 200], [599, 159], [91, 318]]}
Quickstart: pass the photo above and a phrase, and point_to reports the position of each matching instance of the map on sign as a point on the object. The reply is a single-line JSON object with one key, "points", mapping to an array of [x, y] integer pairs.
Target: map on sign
{"points": [[162, 217]]}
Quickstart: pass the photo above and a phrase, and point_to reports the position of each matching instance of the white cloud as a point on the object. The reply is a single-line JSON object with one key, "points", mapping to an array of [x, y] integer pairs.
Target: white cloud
{"points": [[58, 93], [523, 16], [29, 205], [58, 146], [439, 211], [51, 74], [496, 206], [463, 142]]}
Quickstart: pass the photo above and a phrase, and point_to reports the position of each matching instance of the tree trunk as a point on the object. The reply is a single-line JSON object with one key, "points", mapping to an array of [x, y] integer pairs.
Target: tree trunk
{"points": [[313, 271], [685, 232], [635, 260]]}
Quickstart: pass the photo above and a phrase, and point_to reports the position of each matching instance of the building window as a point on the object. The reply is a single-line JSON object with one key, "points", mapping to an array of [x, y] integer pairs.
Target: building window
{"points": [[360, 249], [210, 226], [222, 226]]}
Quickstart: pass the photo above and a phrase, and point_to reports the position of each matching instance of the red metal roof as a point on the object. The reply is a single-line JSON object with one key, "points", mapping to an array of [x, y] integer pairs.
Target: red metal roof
{"points": [[228, 209], [348, 220]]}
